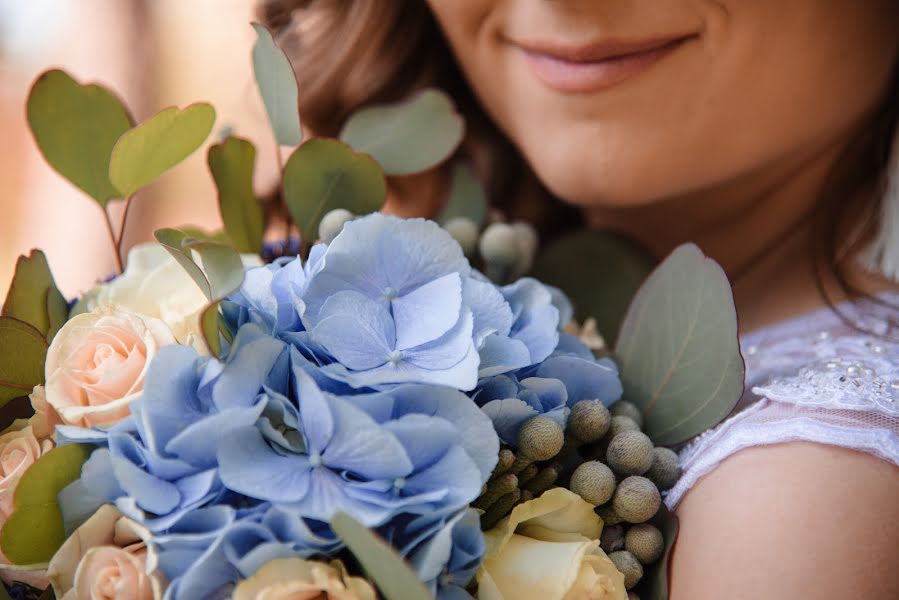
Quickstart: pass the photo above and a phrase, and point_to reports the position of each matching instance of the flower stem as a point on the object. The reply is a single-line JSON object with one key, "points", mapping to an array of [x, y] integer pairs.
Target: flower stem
{"points": [[112, 238], [120, 240]]}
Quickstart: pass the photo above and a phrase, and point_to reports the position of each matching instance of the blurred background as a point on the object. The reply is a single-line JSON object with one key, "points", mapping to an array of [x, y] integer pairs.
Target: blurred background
{"points": [[153, 54]]}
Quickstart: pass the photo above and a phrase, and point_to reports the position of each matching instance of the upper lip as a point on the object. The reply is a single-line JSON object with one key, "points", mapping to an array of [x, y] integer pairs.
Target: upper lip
{"points": [[597, 51]]}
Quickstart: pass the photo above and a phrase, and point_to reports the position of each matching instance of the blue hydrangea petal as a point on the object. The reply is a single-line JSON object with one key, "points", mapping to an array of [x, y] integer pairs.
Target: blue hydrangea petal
{"points": [[81, 498], [197, 443], [569, 344], [318, 423], [329, 494], [562, 303], [455, 474], [253, 355], [491, 312], [248, 465], [508, 415], [357, 331], [425, 439], [536, 318], [248, 546], [362, 447], [428, 312], [152, 494], [500, 354], [584, 379], [551, 393]]}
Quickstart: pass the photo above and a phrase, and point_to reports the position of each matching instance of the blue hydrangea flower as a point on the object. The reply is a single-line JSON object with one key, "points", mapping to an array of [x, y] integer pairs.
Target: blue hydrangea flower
{"points": [[444, 553], [413, 449], [160, 464]]}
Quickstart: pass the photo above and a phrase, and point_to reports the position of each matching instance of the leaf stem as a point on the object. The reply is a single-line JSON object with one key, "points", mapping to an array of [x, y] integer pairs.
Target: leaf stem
{"points": [[288, 223], [121, 239], [112, 238]]}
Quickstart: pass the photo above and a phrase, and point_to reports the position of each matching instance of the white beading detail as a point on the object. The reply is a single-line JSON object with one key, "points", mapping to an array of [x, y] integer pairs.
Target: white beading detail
{"points": [[811, 379]]}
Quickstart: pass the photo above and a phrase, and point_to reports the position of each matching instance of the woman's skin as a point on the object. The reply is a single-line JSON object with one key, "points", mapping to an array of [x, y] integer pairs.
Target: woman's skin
{"points": [[720, 123]]}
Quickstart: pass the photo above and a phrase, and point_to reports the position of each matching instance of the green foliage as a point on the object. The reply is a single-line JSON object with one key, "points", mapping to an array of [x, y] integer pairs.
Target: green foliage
{"points": [[324, 174], [147, 151], [467, 197], [384, 566], [33, 296], [23, 351], [215, 267], [278, 87], [34, 531], [655, 582], [231, 163], [407, 137], [76, 127], [599, 271], [678, 349]]}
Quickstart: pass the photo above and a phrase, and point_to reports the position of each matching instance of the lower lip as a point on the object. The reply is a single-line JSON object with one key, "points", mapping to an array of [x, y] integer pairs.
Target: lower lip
{"points": [[589, 77]]}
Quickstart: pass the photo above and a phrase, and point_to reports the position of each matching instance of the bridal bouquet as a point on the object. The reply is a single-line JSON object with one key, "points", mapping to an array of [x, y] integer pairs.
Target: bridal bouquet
{"points": [[396, 410]]}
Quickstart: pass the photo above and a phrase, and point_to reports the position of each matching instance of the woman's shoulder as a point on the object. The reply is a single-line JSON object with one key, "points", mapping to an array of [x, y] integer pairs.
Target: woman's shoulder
{"points": [[828, 377]]}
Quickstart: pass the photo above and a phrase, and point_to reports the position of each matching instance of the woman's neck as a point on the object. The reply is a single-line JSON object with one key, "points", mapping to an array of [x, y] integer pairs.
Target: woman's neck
{"points": [[760, 229]]}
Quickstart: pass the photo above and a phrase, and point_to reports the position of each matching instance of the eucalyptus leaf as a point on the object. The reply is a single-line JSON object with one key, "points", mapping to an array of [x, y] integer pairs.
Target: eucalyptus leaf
{"points": [[33, 296], [23, 351], [278, 87], [678, 350], [599, 271], [655, 584], [34, 530], [407, 137], [467, 197], [75, 127], [147, 151], [215, 267], [198, 233], [324, 174], [232, 163], [394, 578]]}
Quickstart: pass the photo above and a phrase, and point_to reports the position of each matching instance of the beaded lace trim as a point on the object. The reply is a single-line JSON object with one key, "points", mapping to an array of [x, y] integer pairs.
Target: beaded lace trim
{"points": [[811, 379]]}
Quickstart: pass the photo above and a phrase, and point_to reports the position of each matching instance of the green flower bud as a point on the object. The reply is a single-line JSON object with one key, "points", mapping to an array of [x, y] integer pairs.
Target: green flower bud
{"points": [[612, 539], [332, 224], [499, 245], [609, 516], [503, 463], [527, 474], [630, 453], [594, 482], [636, 499], [496, 489], [543, 480], [500, 509], [629, 566], [621, 424], [589, 421], [540, 438], [645, 542], [623, 408], [465, 231], [665, 470]]}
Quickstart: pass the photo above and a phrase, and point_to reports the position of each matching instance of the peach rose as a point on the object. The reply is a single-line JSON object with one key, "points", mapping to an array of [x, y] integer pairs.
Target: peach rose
{"points": [[97, 363], [107, 558], [19, 449], [298, 579], [45, 418]]}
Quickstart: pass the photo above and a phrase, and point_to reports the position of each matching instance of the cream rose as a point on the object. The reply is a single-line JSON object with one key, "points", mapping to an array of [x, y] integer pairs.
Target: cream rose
{"points": [[19, 449], [155, 285], [97, 362], [107, 558], [548, 548], [298, 579]]}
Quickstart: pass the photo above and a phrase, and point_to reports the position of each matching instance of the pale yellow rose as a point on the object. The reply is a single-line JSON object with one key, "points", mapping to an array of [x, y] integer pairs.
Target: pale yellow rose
{"points": [[155, 285], [548, 548], [45, 418], [19, 449], [298, 579], [97, 362], [107, 558]]}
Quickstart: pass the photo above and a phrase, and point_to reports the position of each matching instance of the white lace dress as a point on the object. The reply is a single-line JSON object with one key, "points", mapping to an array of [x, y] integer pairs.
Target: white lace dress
{"points": [[815, 379]]}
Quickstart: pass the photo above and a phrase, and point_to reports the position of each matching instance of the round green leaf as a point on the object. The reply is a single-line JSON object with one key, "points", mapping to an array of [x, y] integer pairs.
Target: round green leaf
{"points": [[23, 351], [75, 127], [278, 87], [34, 531], [467, 197], [232, 163], [599, 271], [324, 174], [216, 268], [678, 350], [158, 144], [33, 296], [407, 137]]}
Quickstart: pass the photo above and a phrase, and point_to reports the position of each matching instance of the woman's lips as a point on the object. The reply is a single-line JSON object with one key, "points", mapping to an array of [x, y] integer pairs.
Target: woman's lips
{"points": [[588, 69]]}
